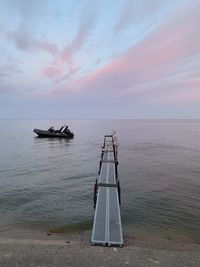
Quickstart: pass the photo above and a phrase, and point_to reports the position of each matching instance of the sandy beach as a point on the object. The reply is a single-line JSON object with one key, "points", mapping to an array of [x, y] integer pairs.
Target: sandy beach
{"points": [[35, 248]]}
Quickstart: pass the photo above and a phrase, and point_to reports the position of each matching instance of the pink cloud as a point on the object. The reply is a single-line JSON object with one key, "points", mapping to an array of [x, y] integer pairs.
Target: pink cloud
{"points": [[22, 37], [64, 65], [60, 72], [24, 41], [70, 50], [153, 63], [79, 40], [52, 72], [71, 72]]}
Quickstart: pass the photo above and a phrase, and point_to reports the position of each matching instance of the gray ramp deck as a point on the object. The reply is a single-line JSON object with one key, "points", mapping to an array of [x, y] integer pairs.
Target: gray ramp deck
{"points": [[107, 228]]}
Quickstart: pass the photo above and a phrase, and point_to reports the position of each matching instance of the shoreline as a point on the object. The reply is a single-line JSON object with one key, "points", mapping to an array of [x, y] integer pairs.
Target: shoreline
{"points": [[37, 248], [83, 236]]}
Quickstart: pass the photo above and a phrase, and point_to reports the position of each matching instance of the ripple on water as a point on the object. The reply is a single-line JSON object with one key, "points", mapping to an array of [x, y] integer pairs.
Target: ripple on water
{"points": [[49, 182]]}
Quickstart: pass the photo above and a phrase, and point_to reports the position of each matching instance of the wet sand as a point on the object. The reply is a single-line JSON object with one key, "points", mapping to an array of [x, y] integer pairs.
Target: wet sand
{"points": [[36, 248]]}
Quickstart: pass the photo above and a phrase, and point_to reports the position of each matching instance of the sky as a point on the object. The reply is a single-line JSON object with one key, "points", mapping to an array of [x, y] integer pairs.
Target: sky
{"points": [[84, 59]]}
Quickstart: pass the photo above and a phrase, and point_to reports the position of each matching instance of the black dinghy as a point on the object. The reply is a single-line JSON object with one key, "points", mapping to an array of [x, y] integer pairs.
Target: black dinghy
{"points": [[64, 132]]}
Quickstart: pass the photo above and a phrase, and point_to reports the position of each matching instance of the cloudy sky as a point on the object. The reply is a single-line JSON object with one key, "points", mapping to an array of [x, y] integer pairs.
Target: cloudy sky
{"points": [[99, 59]]}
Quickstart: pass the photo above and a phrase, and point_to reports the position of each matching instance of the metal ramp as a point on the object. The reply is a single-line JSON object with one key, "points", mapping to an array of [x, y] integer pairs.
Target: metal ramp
{"points": [[107, 228]]}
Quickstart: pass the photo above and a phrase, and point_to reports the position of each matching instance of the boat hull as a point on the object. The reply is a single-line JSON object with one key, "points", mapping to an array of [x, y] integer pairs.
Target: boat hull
{"points": [[43, 133]]}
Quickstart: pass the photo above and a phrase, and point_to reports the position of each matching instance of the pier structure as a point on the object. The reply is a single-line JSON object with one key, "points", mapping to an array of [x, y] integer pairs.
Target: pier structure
{"points": [[107, 227]]}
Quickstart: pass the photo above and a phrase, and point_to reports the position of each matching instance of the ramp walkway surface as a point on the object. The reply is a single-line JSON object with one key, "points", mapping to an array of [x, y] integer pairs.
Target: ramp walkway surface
{"points": [[107, 228]]}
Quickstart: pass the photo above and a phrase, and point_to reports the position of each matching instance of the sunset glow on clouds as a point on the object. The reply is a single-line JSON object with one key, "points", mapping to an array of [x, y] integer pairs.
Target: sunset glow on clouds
{"points": [[100, 59]]}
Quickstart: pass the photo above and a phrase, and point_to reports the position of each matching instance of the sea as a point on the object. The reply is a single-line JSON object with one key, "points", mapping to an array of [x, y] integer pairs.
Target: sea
{"points": [[47, 184]]}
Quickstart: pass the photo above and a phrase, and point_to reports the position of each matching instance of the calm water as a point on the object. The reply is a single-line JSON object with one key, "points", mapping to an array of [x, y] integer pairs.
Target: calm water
{"points": [[48, 183]]}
